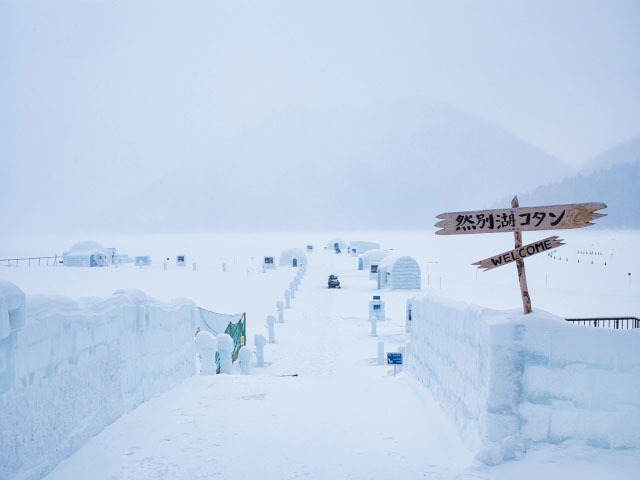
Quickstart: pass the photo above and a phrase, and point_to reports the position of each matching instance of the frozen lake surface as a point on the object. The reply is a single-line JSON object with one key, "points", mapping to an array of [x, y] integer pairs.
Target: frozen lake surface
{"points": [[571, 284]]}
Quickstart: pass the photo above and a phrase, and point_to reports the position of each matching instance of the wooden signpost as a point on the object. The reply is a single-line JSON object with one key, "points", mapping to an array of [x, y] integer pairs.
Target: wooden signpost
{"points": [[517, 220], [519, 253], [555, 217]]}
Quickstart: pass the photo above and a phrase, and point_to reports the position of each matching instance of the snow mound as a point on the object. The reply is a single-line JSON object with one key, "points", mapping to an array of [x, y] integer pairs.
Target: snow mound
{"points": [[206, 341], [245, 355], [12, 308], [225, 342]]}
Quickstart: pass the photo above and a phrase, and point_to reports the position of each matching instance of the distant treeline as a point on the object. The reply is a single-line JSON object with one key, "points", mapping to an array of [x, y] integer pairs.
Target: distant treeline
{"points": [[618, 186]]}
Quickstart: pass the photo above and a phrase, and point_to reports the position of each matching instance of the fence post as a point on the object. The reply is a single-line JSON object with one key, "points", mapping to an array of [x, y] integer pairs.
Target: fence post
{"points": [[380, 353], [401, 350], [279, 307], [271, 326], [259, 342], [225, 349], [244, 356]]}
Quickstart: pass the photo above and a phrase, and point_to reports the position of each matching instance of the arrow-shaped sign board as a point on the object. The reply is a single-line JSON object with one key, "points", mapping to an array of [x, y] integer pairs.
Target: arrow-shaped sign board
{"points": [[554, 217], [517, 220], [520, 253]]}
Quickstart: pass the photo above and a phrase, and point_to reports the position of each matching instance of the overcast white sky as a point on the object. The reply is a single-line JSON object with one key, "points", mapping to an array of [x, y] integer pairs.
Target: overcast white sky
{"points": [[132, 84]]}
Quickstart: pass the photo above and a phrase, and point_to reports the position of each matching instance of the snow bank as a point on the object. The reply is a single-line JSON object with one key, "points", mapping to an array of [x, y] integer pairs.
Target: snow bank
{"points": [[510, 380], [12, 311], [71, 368]]}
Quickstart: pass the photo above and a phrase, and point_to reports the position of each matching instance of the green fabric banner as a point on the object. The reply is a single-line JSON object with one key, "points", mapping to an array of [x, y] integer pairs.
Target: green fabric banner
{"points": [[233, 325]]}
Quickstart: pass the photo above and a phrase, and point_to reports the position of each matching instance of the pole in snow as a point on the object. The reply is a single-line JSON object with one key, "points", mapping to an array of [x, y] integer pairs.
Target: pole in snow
{"points": [[259, 341], [271, 327], [280, 307]]}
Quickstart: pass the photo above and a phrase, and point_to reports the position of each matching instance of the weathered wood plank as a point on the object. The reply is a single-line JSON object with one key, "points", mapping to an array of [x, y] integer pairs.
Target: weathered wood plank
{"points": [[520, 252], [522, 276], [553, 217]]}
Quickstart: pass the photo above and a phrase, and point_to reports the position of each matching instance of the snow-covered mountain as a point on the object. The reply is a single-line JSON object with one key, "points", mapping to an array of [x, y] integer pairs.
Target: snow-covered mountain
{"points": [[625, 152], [385, 167], [612, 177]]}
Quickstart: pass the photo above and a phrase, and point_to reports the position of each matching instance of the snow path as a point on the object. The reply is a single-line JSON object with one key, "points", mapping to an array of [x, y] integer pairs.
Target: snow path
{"points": [[342, 417]]}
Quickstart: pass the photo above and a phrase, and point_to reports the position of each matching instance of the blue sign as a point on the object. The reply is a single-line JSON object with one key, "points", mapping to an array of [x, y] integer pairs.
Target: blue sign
{"points": [[376, 307], [394, 358]]}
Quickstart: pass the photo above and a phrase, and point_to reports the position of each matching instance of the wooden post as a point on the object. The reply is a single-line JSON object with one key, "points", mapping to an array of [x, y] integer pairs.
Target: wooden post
{"points": [[524, 291]]}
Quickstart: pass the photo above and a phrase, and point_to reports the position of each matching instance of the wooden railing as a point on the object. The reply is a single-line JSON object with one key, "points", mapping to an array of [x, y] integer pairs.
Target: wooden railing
{"points": [[29, 261], [620, 323]]}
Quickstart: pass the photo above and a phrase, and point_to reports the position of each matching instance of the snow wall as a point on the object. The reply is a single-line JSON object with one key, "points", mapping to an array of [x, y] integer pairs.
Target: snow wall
{"points": [[68, 369], [510, 381]]}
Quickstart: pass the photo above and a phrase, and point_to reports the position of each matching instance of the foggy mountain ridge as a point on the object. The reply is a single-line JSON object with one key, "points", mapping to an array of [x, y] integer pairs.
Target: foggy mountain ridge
{"points": [[617, 186], [624, 152], [386, 167]]}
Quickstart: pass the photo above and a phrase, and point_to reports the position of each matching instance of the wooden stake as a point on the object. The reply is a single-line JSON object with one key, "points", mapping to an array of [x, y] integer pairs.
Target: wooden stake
{"points": [[522, 277]]}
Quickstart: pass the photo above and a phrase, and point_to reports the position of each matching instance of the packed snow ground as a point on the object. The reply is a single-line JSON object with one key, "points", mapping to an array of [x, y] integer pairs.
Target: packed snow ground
{"points": [[342, 416]]}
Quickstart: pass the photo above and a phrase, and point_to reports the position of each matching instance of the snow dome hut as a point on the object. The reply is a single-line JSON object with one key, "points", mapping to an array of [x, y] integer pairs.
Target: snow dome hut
{"points": [[87, 254], [399, 273], [357, 247], [294, 257], [336, 243], [370, 259]]}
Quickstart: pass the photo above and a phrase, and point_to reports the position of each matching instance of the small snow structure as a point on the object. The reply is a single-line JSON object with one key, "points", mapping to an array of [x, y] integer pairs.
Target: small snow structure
{"points": [[117, 258], [87, 254], [207, 346], [358, 247], [399, 273], [370, 259], [142, 260], [293, 257], [269, 263], [271, 321], [336, 243], [259, 341], [225, 349], [245, 360]]}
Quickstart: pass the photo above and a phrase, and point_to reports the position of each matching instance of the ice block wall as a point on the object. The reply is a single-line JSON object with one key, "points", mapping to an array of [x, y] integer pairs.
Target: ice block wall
{"points": [[68, 369], [510, 380]]}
